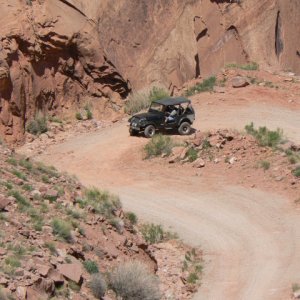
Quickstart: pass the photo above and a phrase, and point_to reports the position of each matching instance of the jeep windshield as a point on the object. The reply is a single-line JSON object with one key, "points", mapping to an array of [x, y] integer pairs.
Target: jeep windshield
{"points": [[156, 107]]}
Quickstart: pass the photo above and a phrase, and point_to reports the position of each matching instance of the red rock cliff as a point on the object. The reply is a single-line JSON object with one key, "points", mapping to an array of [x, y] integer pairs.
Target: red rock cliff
{"points": [[56, 54]]}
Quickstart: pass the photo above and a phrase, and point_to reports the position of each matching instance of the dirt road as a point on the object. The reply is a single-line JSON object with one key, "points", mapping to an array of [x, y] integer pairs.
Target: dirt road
{"points": [[250, 238]]}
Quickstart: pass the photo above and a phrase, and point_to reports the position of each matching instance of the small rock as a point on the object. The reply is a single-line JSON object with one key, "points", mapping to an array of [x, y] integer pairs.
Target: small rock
{"points": [[239, 81], [232, 160], [199, 163], [43, 270], [71, 271], [296, 294], [19, 272], [21, 292], [4, 202]]}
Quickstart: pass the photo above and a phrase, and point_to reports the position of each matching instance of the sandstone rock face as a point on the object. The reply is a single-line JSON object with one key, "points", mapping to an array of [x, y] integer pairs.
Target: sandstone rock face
{"points": [[59, 54], [50, 60]]}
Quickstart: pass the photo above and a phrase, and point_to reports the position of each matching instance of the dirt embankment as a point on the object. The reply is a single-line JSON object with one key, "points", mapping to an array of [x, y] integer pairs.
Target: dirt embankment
{"points": [[59, 239]]}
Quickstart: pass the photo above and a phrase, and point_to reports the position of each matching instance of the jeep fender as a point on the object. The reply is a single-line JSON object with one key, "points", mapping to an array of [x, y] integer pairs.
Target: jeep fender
{"points": [[185, 120]]}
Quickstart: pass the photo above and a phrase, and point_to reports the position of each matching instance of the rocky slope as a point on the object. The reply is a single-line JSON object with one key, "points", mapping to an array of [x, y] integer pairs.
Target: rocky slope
{"points": [[55, 234], [59, 54]]}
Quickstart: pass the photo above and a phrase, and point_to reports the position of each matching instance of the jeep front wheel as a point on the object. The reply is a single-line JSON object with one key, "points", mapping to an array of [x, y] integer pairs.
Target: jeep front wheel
{"points": [[149, 131], [184, 128], [133, 132]]}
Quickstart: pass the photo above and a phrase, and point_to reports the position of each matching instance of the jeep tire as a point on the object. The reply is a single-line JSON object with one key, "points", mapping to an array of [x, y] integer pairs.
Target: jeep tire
{"points": [[133, 132], [184, 128], [149, 131]]}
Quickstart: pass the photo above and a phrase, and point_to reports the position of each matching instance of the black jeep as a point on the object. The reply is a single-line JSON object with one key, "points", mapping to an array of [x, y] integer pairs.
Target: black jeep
{"points": [[164, 114]]}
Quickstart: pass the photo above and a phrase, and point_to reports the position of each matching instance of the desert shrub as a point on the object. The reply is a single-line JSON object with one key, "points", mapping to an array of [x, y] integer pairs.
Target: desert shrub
{"points": [[51, 246], [91, 266], [141, 100], [27, 187], [157, 93], [12, 161], [102, 202], [192, 264], [88, 112], [158, 145], [296, 172], [252, 66], [73, 213], [205, 86], [118, 224], [98, 286], [133, 281], [21, 200], [295, 287], [19, 174], [136, 102], [132, 217], [37, 126], [26, 164], [48, 170], [13, 262], [264, 136], [192, 154], [62, 229], [264, 164], [78, 116], [55, 119], [154, 234]]}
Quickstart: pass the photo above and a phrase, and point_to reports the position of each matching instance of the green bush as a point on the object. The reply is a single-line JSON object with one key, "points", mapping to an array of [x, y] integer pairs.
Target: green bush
{"points": [[158, 93], [102, 202], [48, 170], [37, 126], [192, 154], [118, 224], [141, 100], [89, 114], [91, 266], [19, 174], [205, 86], [12, 161], [158, 145], [133, 281], [21, 200], [62, 229], [132, 217], [26, 164], [264, 136], [264, 164], [252, 66], [78, 116], [154, 234], [51, 246], [296, 172], [13, 262], [98, 286]]}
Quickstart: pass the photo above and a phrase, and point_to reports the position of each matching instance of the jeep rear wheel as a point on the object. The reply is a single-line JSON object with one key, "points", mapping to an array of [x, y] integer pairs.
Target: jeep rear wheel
{"points": [[184, 128], [149, 131]]}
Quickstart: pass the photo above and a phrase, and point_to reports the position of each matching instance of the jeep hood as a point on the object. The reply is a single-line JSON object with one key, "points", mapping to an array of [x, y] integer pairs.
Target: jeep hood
{"points": [[148, 116]]}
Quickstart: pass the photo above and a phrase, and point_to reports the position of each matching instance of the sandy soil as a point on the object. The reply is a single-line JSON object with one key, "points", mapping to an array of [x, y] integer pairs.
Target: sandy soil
{"points": [[250, 237]]}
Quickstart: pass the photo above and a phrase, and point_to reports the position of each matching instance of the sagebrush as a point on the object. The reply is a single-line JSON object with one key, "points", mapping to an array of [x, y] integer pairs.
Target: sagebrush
{"points": [[158, 145], [133, 281], [264, 136]]}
